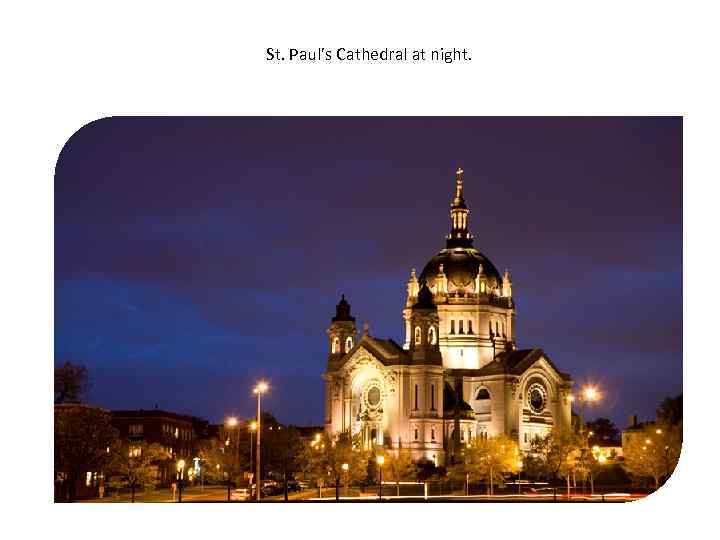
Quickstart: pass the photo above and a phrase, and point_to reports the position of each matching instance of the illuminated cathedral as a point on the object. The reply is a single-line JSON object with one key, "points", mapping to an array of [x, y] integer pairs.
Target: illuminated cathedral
{"points": [[459, 373]]}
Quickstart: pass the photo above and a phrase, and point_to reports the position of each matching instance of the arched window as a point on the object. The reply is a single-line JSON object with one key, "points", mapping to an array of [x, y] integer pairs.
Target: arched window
{"points": [[482, 287], [348, 344], [336, 345], [432, 337], [418, 335], [483, 394]]}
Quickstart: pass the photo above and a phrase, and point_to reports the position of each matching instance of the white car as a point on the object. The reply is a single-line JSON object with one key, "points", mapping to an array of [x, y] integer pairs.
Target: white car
{"points": [[240, 494]]}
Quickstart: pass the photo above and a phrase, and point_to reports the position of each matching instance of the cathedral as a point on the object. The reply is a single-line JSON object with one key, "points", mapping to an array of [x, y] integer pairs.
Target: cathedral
{"points": [[459, 374]]}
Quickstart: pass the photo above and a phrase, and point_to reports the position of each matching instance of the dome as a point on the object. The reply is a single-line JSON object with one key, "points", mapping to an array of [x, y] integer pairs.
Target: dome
{"points": [[461, 265], [460, 261]]}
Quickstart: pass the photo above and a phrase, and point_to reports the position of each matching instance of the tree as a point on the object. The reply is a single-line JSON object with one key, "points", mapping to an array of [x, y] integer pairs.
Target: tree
{"points": [[282, 452], [322, 460], [400, 466], [554, 452], [603, 431], [221, 462], [654, 452], [136, 464], [489, 460], [83, 438], [670, 411], [71, 383]]}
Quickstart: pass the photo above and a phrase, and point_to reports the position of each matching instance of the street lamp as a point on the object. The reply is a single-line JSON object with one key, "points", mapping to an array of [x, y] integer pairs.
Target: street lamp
{"points": [[180, 468], [520, 466], [380, 462], [252, 427], [233, 423], [589, 394], [259, 390], [346, 470]]}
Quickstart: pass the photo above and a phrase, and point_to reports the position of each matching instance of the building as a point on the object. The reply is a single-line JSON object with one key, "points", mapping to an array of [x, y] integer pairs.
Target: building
{"points": [[459, 373], [177, 434], [634, 430]]}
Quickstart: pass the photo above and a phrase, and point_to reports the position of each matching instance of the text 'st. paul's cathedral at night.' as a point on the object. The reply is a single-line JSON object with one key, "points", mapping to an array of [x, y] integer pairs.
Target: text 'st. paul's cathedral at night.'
{"points": [[459, 373]]}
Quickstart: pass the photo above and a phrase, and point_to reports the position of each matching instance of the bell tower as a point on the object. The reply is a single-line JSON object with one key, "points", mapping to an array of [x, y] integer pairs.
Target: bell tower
{"points": [[342, 333], [425, 329]]}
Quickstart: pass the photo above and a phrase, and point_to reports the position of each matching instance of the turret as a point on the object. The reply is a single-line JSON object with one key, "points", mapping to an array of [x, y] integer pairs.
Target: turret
{"points": [[413, 287], [506, 285], [425, 329], [342, 331]]}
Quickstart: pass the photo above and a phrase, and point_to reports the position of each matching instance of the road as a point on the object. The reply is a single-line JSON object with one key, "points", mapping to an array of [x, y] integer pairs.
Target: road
{"points": [[219, 494]]}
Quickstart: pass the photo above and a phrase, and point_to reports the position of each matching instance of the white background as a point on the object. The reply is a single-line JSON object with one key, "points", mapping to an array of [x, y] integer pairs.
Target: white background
{"points": [[67, 63]]}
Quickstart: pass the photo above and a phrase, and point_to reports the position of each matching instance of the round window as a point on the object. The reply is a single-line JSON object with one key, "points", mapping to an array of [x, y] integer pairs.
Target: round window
{"points": [[373, 396], [536, 398]]}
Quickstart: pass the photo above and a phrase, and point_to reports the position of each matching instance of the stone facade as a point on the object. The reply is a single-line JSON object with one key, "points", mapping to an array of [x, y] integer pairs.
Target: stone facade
{"points": [[459, 373]]}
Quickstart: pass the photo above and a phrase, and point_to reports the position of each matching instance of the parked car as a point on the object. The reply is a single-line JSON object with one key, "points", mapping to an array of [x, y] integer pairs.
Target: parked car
{"points": [[240, 494]]}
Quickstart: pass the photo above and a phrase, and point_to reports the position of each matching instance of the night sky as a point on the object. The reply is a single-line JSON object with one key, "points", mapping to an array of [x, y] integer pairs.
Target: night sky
{"points": [[194, 256]]}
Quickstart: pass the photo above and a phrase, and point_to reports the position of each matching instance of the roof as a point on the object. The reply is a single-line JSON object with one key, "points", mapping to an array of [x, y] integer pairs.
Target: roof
{"points": [[155, 413], [461, 265], [516, 362], [450, 400], [386, 350]]}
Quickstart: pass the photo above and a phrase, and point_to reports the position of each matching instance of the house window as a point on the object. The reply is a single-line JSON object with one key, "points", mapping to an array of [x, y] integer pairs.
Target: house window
{"points": [[526, 437], [177, 433], [432, 397], [452, 326], [432, 433], [461, 328], [418, 335], [135, 430], [416, 397], [470, 327], [431, 335], [462, 435], [416, 434]]}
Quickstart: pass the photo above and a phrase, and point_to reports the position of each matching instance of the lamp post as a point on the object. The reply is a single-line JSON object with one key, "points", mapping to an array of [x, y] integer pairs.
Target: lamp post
{"points": [[180, 468], [380, 462], [589, 394], [346, 470], [259, 390], [252, 427], [232, 423], [520, 466]]}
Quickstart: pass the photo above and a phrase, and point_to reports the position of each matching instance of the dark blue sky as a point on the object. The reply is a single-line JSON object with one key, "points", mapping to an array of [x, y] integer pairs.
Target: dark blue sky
{"points": [[194, 256]]}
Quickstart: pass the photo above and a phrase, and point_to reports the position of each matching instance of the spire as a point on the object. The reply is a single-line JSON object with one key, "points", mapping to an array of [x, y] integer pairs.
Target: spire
{"points": [[459, 235], [342, 311], [458, 201]]}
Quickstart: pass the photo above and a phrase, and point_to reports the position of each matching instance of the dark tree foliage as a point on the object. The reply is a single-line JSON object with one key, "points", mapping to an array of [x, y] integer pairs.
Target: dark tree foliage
{"points": [[603, 432], [670, 411], [71, 383], [83, 438]]}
